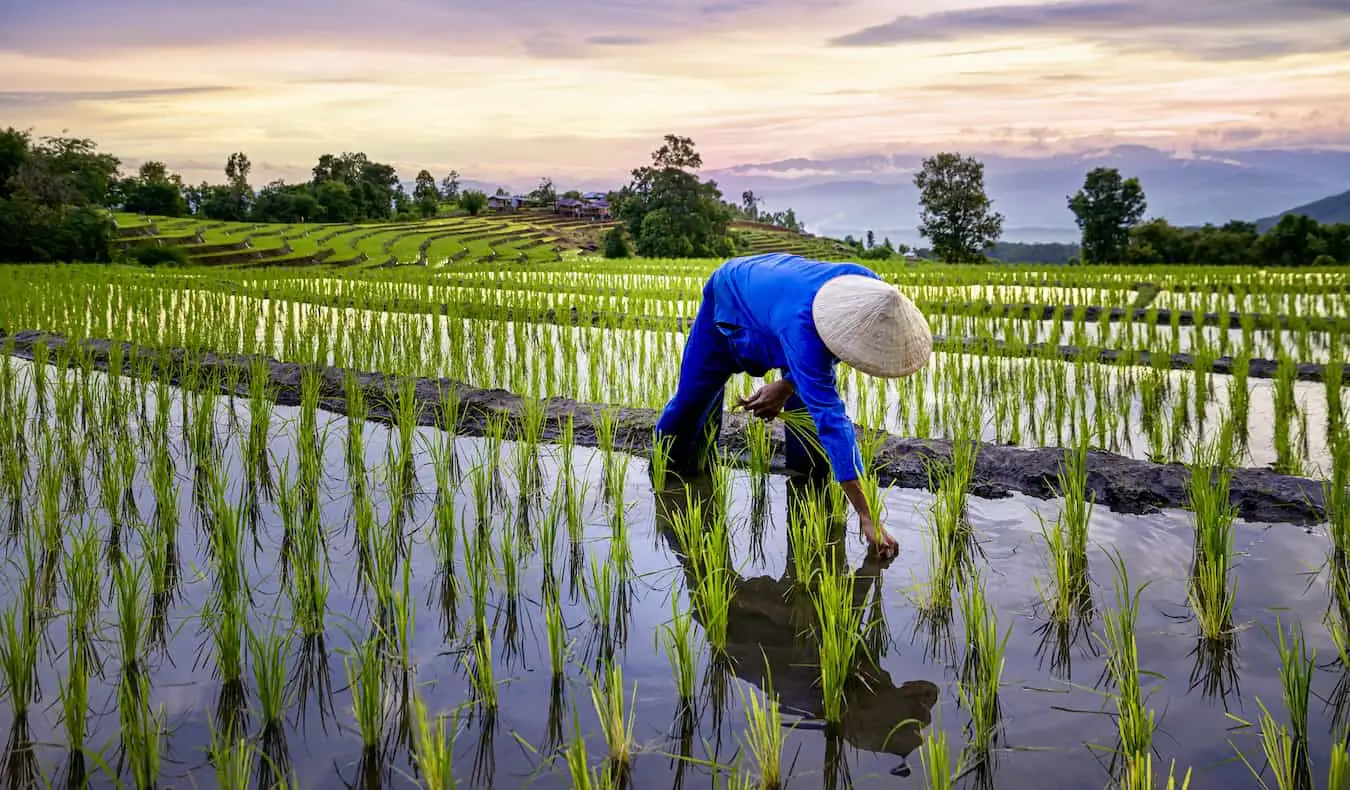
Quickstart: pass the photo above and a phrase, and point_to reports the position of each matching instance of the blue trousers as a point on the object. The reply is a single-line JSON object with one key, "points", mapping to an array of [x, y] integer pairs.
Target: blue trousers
{"points": [[693, 417]]}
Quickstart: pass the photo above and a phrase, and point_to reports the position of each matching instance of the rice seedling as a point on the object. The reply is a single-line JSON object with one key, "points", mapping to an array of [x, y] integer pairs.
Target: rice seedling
{"points": [[757, 446], [660, 461], [232, 758], [935, 758], [74, 695], [142, 730], [1134, 720], [269, 652], [478, 660], [19, 642], [556, 632], [617, 726], [1070, 591], [433, 748], [763, 738], [133, 605], [705, 546], [1287, 748], [983, 668], [1336, 496], [1211, 589], [365, 676], [841, 639], [677, 639]]}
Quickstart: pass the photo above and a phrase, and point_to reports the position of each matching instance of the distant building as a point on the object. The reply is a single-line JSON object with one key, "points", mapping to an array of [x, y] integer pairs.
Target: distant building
{"points": [[592, 205], [506, 202]]}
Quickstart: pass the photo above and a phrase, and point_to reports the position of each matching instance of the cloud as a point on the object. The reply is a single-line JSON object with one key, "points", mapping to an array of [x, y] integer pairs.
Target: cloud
{"points": [[618, 41], [1200, 27], [21, 99]]}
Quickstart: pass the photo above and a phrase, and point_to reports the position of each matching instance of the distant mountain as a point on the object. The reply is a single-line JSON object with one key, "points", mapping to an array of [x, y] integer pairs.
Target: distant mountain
{"points": [[837, 197], [1330, 210]]}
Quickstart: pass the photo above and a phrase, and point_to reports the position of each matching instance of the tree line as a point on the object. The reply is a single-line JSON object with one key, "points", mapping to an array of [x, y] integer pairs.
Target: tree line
{"points": [[55, 192], [958, 218]]}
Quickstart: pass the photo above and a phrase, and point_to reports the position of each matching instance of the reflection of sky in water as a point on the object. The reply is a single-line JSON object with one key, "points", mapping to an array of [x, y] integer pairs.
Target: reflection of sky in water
{"points": [[1045, 731]]}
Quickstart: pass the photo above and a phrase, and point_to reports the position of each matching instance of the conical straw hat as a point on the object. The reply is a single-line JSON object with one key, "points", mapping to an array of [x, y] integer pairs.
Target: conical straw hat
{"points": [[873, 327]]}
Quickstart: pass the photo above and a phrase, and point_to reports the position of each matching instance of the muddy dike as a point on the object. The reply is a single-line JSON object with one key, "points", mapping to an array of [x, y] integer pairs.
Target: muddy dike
{"points": [[1121, 484], [1161, 316]]}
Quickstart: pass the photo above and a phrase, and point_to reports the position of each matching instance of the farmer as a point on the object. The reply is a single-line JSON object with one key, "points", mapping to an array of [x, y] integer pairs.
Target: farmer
{"points": [[801, 317]]}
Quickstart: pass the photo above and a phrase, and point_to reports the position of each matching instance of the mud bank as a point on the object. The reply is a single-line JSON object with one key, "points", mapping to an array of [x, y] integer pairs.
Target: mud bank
{"points": [[1121, 484], [1161, 316]]}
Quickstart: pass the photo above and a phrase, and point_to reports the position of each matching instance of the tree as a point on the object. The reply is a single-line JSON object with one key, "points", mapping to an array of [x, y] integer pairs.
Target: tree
{"points": [[154, 191], [425, 194], [52, 195], [669, 213], [450, 186], [616, 246], [1106, 208], [871, 240], [237, 168], [472, 201], [544, 194], [750, 203], [956, 213]]}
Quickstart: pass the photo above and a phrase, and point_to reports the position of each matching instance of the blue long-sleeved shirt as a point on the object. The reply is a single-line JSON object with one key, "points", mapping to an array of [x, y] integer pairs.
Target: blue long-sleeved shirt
{"points": [[763, 307]]}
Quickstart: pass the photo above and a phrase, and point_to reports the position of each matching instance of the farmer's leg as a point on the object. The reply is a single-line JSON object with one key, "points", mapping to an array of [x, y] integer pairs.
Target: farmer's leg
{"points": [[693, 418], [804, 455]]}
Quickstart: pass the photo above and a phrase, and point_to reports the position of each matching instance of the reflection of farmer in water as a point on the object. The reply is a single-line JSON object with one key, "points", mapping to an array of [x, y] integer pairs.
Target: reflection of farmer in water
{"points": [[770, 620], [801, 317]]}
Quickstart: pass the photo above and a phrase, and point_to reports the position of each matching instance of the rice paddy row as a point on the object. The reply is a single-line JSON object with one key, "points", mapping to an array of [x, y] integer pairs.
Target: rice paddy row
{"points": [[419, 326]]}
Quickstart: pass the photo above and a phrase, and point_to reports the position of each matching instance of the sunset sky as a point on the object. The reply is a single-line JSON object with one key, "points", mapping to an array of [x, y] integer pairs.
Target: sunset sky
{"points": [[514, 89]]}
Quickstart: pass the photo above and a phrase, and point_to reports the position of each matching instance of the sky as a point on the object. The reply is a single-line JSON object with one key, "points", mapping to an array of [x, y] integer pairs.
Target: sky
{"points": [[513, 90]]}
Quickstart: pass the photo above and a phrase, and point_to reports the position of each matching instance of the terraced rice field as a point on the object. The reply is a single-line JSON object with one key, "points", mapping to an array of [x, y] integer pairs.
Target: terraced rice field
{"points": [[519, 237], [398, 525]]}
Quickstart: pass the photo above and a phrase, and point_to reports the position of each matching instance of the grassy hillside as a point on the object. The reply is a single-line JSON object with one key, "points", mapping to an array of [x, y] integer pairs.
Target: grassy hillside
{"points": [[1328, 210], [520, 237]]}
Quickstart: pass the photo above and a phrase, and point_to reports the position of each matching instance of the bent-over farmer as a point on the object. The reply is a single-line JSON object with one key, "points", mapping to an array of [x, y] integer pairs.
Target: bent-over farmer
{"points": [[801, 317]]}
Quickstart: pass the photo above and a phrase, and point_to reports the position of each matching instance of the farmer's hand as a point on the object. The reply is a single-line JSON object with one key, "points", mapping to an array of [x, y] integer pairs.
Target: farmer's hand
{"points": [[768, 400], [878, 539]]}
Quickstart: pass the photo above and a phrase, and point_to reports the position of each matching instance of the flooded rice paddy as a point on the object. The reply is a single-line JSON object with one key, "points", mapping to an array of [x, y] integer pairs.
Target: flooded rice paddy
{"points": [[350, 549]]}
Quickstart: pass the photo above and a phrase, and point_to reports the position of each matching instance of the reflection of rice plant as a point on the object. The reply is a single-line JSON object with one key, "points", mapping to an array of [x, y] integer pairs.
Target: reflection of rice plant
{"points": [[1207, 491]]}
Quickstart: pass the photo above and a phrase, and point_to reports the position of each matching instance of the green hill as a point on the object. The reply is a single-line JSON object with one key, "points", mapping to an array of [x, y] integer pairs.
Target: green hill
{"points": [[1328, 210]]}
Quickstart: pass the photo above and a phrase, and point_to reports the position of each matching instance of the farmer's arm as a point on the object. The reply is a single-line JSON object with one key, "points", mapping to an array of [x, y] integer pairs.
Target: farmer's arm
{"points": [[813, 379]]}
